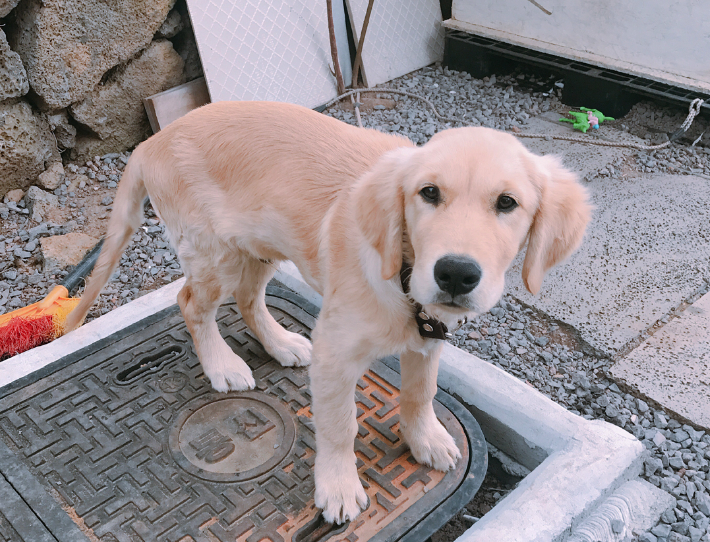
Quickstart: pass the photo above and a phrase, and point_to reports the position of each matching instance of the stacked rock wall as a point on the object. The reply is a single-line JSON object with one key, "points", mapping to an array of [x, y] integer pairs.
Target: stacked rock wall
{"points": [[73, 76]]}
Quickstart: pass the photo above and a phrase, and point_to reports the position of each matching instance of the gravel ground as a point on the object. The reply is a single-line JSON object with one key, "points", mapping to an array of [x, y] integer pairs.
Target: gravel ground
{"points": [[526, 343], [85, 202], [502, 103]]}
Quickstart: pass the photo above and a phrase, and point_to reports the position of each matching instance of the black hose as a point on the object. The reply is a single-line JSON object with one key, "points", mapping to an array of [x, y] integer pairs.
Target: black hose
{"points": [[84, 267]]}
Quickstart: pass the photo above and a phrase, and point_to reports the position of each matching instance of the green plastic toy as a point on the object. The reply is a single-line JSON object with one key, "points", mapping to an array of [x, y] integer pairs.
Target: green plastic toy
{"points": [[583, 121]]}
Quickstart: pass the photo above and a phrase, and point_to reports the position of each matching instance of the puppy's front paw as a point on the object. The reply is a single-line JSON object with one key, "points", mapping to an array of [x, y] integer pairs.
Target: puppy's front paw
{"points": [[340, 495], [229, 373], [431, 444], [293, 350]]}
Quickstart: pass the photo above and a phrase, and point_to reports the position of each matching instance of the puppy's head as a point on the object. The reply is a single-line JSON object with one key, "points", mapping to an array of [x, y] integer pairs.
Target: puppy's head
{"points": [[460, 208]]}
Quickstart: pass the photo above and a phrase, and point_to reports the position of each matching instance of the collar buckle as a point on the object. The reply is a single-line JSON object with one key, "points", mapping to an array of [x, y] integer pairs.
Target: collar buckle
{"points": [[429, 327]]}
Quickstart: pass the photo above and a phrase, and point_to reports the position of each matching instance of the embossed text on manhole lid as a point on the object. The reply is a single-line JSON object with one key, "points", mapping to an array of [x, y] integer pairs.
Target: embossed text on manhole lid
{"points": [[232, 438]]}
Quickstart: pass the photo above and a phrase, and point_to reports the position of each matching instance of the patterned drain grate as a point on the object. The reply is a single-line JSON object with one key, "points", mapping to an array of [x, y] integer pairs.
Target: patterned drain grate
{"points": [[132, 443]]}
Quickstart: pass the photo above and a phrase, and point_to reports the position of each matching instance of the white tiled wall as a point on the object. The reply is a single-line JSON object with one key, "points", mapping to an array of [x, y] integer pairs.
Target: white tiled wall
{"points": [[265, 49], [403, 36]]}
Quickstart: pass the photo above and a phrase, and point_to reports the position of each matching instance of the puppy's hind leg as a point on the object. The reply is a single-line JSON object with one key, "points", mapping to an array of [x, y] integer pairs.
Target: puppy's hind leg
{"points": [[199, 302], [288, 348]]}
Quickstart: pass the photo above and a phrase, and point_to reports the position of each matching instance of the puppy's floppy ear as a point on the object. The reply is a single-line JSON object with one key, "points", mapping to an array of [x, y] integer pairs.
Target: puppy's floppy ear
{"points": [[560, 221], [379, 207]]}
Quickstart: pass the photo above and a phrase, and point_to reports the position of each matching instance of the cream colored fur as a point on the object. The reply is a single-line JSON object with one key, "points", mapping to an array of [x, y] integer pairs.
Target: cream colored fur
{"points": [[238, 184]]}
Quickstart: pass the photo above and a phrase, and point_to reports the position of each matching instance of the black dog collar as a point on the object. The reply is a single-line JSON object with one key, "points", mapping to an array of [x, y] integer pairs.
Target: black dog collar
{"points": [[429, 327]]}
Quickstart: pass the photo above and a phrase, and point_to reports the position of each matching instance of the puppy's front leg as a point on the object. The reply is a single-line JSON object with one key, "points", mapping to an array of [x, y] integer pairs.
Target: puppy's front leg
{"points": [[334, 375], [427, 438]]}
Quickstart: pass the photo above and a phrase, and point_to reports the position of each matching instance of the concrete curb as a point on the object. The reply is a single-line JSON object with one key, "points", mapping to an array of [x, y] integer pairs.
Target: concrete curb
{"points": [[575, 463], [24, 364]]}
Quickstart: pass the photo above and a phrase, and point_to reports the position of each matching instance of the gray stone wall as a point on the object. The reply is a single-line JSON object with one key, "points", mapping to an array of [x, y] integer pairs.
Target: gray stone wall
{"points": [[73, 76]]}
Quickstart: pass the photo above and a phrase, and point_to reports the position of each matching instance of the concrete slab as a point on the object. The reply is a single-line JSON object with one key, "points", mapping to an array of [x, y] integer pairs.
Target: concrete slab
{"points": [[645, 252], [579, 157], [672, 367]]}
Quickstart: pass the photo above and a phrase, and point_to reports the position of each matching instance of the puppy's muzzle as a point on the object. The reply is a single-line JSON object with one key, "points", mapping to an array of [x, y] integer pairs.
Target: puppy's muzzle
{"points": [[457, 275]]}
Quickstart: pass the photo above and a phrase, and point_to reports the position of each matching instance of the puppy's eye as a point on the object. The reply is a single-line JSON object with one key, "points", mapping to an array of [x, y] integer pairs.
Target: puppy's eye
{"points": [[506, 204], [431, 194]]}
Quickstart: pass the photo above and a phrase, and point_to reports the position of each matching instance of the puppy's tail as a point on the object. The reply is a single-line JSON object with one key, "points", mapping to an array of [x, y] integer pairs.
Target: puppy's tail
{"points": [[125, 219]]}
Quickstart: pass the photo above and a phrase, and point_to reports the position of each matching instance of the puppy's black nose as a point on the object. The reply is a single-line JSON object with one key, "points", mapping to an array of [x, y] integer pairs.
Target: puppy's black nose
{"points": [[457, 275]]}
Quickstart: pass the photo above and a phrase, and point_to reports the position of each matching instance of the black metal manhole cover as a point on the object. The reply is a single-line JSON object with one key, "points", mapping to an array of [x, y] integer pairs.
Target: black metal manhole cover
{"points": [[127, 439]]}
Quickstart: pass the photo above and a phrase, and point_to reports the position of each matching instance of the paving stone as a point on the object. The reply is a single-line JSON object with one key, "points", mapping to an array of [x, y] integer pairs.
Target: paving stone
{"points": [[581, 158], [673, 366], [611, 290]]}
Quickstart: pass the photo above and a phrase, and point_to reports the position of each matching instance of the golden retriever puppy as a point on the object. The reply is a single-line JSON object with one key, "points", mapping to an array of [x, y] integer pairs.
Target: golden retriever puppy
{"points": [[241, 186]]}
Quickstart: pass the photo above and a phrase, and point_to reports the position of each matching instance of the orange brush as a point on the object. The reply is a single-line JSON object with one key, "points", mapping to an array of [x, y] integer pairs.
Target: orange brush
{"points": [[42, 322]]}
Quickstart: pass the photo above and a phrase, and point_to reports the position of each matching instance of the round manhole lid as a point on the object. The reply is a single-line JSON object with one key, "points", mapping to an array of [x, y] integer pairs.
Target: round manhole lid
{"points": [[232, 438]]}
